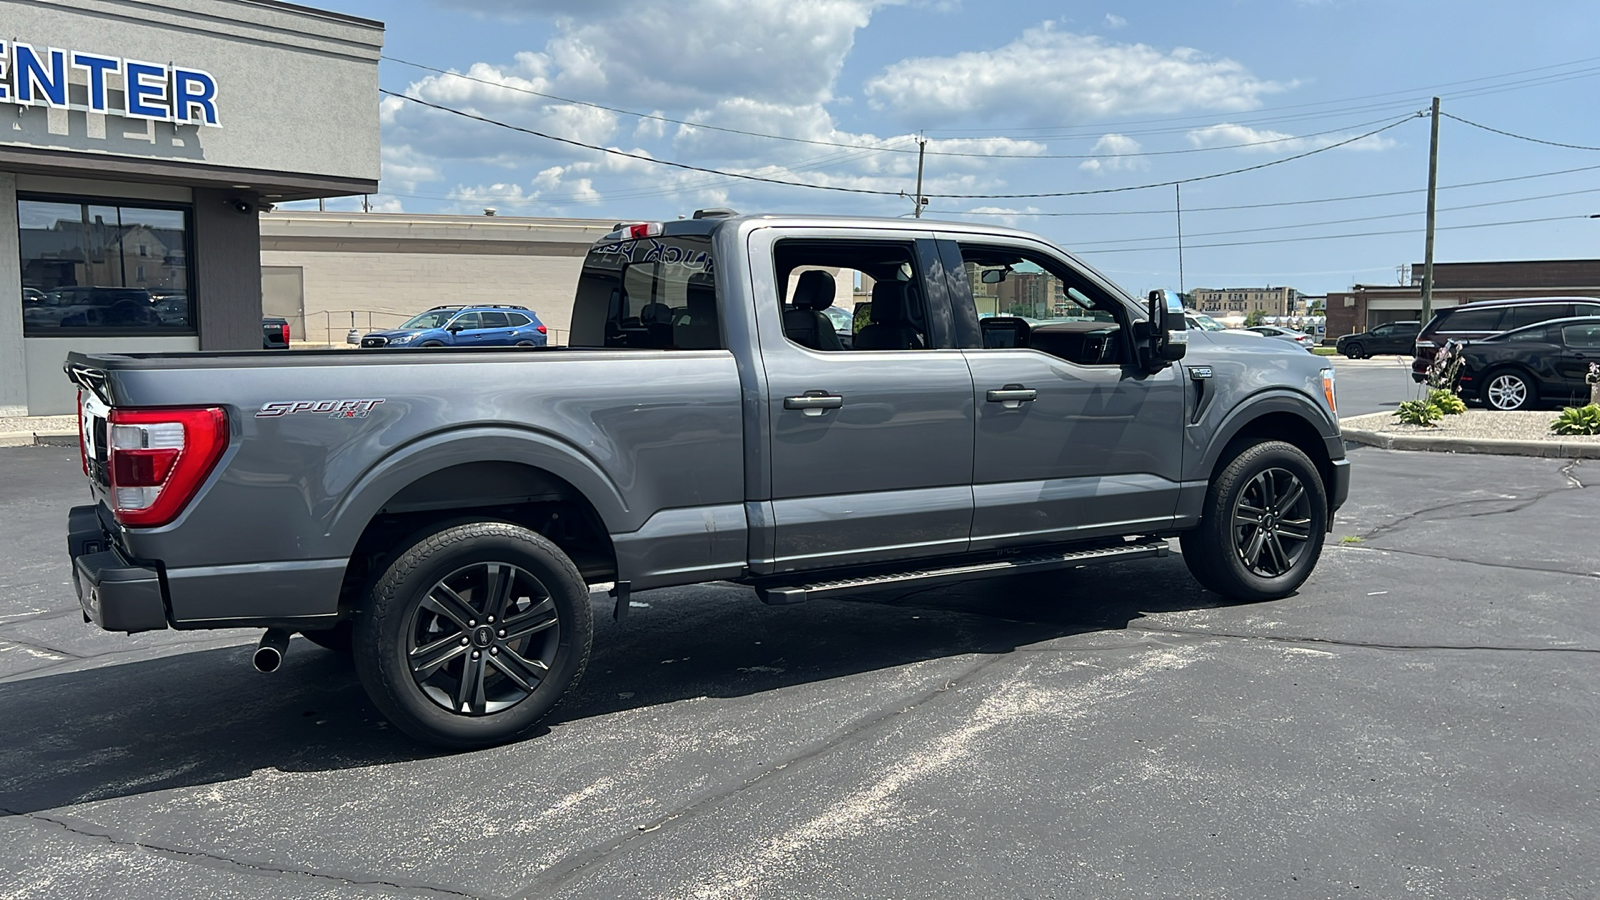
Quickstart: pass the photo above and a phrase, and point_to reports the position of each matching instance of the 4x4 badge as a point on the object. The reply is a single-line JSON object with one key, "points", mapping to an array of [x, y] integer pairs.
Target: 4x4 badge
{"points": [[333, 409]]}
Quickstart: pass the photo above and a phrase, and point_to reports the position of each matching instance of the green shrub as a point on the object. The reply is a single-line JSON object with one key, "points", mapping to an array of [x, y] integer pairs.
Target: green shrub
{"points": [[1447, 401], [1579, 420], [1418, 412]]}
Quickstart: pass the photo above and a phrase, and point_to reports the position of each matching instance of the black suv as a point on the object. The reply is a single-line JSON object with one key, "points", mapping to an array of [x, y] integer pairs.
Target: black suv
{"points": [[1398, 338], [1473, 321]]}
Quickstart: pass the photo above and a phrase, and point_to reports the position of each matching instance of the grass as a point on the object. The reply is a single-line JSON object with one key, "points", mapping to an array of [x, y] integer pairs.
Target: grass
{"points": [[1351, 539], [1324, 351]]}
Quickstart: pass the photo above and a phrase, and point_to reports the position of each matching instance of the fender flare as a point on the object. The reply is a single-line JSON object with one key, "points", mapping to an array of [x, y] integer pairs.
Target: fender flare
{"points": [[443, 449], [1271, 400]]}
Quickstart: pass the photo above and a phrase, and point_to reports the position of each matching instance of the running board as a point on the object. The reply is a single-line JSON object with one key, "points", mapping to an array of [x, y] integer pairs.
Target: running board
{"points": [[779, 595]]}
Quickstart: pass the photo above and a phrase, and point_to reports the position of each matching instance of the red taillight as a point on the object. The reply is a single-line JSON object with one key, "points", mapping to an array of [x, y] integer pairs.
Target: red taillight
{"points": [[159, 457], [83, 437], [283, 332], [636, 232], [543, 330]]}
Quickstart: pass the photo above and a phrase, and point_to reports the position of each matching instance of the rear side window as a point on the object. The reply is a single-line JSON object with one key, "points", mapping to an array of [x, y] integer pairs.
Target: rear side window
{"points": [[494, 320], [1475, 320], [650, 294], [1586, 309], [1535, 313]]}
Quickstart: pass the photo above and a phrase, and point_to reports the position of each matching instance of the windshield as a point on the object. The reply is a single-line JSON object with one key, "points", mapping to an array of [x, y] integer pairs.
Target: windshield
{"points": [[1206, 323], [436, 318]]}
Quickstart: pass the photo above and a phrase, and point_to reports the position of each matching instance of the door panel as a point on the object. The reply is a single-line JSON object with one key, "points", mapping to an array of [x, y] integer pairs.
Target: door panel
{"points": [[870, 450], [1096, 452]]}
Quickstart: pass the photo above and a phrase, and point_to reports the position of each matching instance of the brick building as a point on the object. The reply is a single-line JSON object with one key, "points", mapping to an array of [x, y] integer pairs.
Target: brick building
{"points": [[1367, 305], [1269, 301]]}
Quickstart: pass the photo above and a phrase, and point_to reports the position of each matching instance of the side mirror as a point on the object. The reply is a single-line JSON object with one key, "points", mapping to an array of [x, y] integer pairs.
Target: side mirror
{"points": [[1168, 330], [454, 328]]}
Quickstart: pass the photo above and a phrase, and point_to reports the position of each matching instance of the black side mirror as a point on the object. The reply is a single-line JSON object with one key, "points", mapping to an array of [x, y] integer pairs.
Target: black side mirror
{"points": [[454, 328], [1167, 339]]}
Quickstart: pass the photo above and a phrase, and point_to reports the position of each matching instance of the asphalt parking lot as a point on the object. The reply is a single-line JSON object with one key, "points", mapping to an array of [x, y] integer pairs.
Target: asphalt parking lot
{"points": [[1419, 720]]}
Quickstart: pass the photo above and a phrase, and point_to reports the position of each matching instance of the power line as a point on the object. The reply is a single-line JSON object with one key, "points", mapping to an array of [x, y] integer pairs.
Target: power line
{"points": [[1520, 137], [884, 148], [1329, 237], [850, 190]]}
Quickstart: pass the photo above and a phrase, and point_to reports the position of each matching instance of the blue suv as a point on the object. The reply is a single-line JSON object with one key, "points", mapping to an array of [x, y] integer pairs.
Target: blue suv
{"points": [[465, 326]]}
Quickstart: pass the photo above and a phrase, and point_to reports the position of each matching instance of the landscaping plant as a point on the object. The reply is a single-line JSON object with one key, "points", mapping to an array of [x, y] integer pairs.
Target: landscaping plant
{"points": [[1578, 420], [1418, 412], [1447, 402]]}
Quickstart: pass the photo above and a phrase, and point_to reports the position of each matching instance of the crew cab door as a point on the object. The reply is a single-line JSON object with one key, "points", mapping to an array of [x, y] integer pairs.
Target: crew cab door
{"points": [[870, 448], [1074, 439]]}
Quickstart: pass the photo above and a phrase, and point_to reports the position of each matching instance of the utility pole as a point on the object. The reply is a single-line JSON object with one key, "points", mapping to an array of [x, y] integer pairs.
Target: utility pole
{"points": [[1177, 191], [1433, 187], [922, 146]]}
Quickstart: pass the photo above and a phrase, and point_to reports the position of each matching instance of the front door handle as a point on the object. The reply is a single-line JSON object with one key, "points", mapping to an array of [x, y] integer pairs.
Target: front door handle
{"points": [[814, 403], [1012, 396]]}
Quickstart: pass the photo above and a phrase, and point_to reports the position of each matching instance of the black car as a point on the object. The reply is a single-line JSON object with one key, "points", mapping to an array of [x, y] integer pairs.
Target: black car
{"points": [[1398, 338], [1472, 321], [1543, 363], [274, 333]]}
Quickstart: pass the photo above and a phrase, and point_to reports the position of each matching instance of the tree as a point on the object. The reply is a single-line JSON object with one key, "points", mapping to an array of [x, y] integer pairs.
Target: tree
{"points": [[1255, 318]]}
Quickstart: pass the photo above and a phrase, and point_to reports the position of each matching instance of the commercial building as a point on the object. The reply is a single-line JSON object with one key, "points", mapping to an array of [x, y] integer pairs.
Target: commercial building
{"points": [[329, 272], [1365, 306], [1269, 301], [131, 190]]}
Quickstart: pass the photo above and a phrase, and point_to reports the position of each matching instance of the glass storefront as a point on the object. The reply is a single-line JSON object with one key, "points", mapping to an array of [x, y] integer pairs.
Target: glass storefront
{"points": [[104, 267]]}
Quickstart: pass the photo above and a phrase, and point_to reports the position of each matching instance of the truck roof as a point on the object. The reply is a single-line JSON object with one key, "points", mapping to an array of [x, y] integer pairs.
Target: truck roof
{"points": [[705, 226]]}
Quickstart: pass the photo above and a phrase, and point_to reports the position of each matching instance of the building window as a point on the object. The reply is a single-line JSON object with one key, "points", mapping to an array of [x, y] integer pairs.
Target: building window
{"points": [[87, 268]]}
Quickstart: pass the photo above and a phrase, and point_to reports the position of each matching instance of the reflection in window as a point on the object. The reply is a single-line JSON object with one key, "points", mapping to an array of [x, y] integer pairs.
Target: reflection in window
{"points": [[104, 268]]}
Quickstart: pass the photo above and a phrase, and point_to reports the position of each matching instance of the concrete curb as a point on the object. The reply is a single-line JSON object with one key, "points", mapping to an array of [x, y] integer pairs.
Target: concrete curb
{"points": [[42, 439], [1545, 449]]}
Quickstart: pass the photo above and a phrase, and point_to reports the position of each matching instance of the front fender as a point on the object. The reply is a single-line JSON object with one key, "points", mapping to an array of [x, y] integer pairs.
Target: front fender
{"points": [[434, 452]]}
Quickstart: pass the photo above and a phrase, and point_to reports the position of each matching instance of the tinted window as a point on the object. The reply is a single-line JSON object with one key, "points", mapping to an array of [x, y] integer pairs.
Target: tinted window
{"points": [[1532, 334], [1586, 309], [466, 320], [1536, 313], [1586, 337], [103, 267], [517, 320], [494, 320], [1475, 320], [655, 293]]}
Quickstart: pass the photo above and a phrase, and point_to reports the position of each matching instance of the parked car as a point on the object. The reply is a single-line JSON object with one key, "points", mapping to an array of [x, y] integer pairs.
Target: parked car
{"points": [[442, 515], [1472, 321], [465, 326], [274, 333], [1300, 338], [1536, 364], [1396, 338]]}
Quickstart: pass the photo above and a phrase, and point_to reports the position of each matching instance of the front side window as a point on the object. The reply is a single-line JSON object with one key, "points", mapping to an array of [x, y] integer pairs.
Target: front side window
{"points": [[107, 268], [466, 321], [1584, 337], [1034, 301]]}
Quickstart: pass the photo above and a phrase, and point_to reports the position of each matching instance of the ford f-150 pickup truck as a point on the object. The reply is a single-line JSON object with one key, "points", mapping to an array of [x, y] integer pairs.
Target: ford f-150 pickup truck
{"points": [[442, 515]]}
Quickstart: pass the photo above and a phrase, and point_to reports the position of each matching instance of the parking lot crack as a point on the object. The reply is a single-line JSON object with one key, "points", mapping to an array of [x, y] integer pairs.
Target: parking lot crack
{"points": [[201, 857], [1365, 645], [1478, 562], [573, 864]]}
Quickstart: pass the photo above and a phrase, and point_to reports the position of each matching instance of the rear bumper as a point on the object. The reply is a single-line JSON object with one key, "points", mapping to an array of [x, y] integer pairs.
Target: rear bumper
{"points": [[115, 594]]}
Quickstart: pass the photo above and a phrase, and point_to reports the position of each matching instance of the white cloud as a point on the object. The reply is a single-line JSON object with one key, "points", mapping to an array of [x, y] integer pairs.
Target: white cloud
{"points": [[1256, 140], [1061, 77], [404, 168], [1113, 146], [1115, 21]]}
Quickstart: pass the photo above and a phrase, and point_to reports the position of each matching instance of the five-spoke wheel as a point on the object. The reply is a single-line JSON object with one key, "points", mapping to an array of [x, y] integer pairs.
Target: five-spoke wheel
{"points": [[473, 634]]}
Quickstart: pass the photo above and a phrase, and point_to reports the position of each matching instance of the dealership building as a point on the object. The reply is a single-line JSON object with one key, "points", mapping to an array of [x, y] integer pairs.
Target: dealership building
{"points": [[140, 145]]}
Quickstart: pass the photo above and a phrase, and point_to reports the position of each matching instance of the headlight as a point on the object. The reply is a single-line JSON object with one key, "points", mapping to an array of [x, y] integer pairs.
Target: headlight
{"points": [[1328, 392], [402, 338]]}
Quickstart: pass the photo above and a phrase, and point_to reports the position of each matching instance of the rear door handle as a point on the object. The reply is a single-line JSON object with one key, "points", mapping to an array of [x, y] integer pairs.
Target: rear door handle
{"points": [[1012, 396], [814, 403]]}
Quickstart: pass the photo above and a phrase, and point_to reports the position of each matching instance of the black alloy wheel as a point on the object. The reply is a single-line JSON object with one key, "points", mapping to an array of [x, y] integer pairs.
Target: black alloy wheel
{"points": [[1263, 524], [1355, 350], [474, 634]]}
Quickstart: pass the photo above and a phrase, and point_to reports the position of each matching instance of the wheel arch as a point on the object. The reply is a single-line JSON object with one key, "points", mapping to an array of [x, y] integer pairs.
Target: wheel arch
{"points": [[1281, 417]]}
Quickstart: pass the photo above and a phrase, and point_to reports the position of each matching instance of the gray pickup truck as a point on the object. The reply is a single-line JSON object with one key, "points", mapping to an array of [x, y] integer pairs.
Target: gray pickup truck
{"points": [[443, 515]]}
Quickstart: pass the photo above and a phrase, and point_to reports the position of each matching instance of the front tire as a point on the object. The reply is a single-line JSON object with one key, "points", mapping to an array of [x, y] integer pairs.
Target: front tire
{"points": [[473, 634], [1262, 527], [1355, 351]]}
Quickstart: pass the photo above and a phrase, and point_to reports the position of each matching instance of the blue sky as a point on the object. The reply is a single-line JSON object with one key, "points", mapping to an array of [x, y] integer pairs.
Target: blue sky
{"points": [[1122, 95]]}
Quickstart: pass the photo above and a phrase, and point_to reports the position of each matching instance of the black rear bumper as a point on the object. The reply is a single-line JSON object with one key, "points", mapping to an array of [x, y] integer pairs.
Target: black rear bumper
{"points": [[115, 594]]}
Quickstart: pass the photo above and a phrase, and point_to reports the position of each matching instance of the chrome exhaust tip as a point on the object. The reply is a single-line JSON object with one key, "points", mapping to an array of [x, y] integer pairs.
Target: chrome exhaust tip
{"points": [[269, 653]]}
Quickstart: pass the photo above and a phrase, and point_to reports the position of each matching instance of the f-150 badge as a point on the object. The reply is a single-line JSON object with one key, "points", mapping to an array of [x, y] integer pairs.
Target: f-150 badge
{"points": [[333, 409]]}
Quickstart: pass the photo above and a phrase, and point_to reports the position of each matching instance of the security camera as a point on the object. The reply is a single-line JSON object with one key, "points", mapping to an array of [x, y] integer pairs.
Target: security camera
{"points": [[242, 207]]}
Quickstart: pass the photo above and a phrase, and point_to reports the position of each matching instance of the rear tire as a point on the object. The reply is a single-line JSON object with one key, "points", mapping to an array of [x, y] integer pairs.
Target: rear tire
{"points": [[473, 634], [1262, 526]]}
